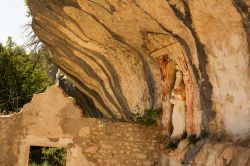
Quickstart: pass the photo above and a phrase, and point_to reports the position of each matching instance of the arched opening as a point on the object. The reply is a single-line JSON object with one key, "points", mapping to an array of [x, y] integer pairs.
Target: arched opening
{"points": [[180, 100]]}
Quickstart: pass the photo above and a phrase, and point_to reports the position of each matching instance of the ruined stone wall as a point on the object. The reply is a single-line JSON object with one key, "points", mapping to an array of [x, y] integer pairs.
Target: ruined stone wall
{"points": [[52, 119]]}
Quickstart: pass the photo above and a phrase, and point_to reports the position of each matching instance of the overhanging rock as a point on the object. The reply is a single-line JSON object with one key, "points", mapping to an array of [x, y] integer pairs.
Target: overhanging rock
{"points": [[114, 52]]}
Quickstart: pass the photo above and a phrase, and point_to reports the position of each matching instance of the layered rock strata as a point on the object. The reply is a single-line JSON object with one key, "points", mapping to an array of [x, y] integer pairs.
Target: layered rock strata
{"points": [[120, 53]]}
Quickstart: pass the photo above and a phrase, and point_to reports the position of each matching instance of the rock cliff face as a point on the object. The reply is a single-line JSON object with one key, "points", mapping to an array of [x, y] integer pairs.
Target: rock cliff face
{"points": [[124, 55]]}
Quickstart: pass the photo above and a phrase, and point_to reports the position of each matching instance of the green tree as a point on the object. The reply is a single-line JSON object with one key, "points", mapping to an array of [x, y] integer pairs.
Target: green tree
{"points": [[54, 156], [47, 156], [20, 77], [28, 10]]}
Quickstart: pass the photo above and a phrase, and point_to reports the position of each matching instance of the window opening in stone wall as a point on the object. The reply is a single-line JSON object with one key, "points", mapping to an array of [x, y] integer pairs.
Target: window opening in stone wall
{"points": [[47, 156]]}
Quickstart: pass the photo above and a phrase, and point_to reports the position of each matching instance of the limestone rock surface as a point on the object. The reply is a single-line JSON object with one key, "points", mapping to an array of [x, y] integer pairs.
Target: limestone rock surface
{"points": [[209, 153], [116, 53]]}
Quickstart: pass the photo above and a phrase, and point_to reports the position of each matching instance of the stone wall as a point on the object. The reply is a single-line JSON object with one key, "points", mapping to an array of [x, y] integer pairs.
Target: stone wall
{"points": [[52, 119]]}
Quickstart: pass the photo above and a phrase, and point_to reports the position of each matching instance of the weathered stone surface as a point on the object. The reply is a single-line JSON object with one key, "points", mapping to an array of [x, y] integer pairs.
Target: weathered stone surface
{"points": [[113, 52], [82, 100], [227, 51], [183, 144], [52, 119], [223, 154], [216, 154], [109, 62], [141, 156], [123, 55]]}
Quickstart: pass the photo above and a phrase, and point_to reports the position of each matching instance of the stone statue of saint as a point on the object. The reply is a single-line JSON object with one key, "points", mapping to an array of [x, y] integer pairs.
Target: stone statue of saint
{"points": [[179, 109], [167, 68]]}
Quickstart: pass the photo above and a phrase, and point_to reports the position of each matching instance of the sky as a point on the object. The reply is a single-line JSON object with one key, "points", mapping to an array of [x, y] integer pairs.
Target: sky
{"points": [[12, 19]]}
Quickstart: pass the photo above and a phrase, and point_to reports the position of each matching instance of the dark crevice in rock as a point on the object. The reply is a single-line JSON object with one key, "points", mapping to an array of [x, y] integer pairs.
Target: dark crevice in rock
{"points": [[110, 10], [82, 100], [188, 52], [242, 8], [90, 91], [192, 151], [72, 3], [205, 85]]}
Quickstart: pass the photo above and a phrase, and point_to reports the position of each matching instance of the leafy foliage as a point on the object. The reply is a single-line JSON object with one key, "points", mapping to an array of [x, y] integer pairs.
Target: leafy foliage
{"points": [[28, 10], [21, 75], [47, 156], [55, 156], [148, 118]]}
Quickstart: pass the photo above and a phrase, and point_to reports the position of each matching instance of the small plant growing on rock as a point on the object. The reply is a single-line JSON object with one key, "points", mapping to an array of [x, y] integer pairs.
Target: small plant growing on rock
{"points": [[148, 118]]}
